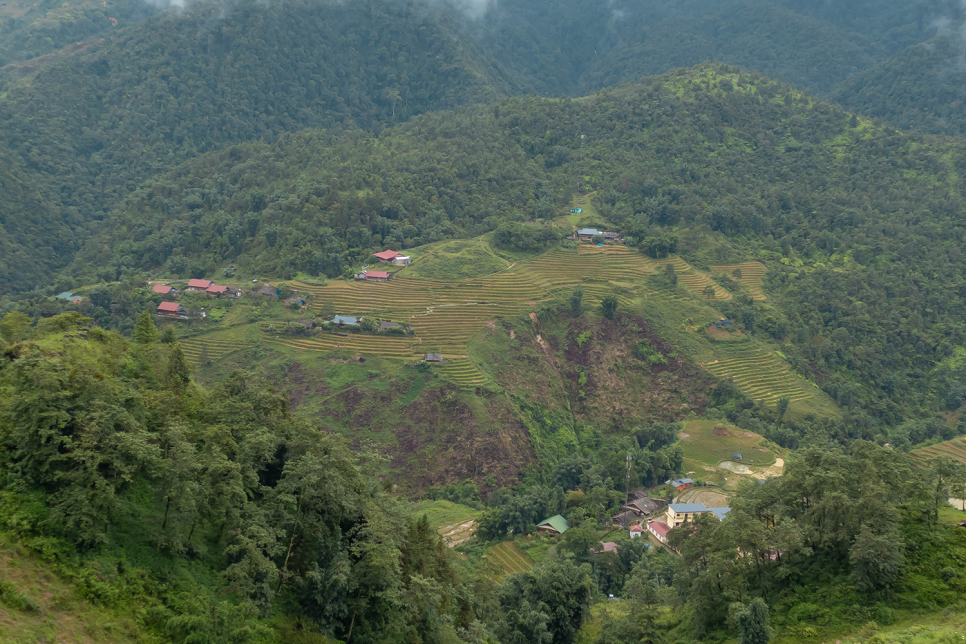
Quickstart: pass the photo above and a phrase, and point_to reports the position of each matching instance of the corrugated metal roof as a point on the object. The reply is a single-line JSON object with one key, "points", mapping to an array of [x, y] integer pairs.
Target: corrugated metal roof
{"points": [[556, 522], [688, 507], [345, 319]]}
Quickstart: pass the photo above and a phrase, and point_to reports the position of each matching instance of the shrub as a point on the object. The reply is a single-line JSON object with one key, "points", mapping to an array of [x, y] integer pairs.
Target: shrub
{"points": [[12, 597]]}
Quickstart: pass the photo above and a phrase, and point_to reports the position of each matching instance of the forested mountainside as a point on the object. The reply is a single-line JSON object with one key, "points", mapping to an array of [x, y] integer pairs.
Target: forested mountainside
{"points": [[859, 221], [91, 128], [93, 120], [35, 241], [28, 30], [921, 88]]}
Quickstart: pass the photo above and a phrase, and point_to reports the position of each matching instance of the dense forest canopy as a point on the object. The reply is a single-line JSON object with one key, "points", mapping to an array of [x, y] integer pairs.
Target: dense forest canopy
{"points": [[89, 124]]}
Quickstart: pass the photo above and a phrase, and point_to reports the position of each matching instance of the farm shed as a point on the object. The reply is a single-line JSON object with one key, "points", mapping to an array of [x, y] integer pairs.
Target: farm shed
{"points": [[554, 526], [385, 325], [164, 289], [402, 260], [434, 357], [588, 233], [267, 290]]}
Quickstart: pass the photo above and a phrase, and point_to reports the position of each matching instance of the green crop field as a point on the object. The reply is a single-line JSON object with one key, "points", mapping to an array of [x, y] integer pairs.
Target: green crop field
{"points": [[761, 374], [710, 442], [752, 276], [955, 448], [507, 555], [454, 261], [200, 348]]}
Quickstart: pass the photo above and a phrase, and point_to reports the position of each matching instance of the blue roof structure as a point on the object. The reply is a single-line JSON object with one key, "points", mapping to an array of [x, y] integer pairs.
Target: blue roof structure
{"points": [[677, 482], [348, 320], [588, 231], [720, 512], [688, 507], [66, 295]]}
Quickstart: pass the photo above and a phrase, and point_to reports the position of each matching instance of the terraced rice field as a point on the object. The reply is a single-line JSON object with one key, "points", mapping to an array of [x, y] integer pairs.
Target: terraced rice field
{"points": [[463, 372], [752, 276], [507, 555], [565, 267], [956, 449], [389, 346], [212, 347], [763, 375]]}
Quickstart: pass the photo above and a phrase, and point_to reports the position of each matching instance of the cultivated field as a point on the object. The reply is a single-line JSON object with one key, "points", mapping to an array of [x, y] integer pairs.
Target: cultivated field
{"points": [[956, 449], [445, 314], [752, 275], [507, 555], [761, 374], [710, 442]]}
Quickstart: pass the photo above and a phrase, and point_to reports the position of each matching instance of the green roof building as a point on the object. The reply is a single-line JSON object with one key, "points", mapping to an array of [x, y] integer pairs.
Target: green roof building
{"points": [[554, 526]]}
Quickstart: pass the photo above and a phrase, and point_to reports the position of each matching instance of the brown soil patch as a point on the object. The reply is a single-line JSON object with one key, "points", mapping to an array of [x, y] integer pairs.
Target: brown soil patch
{"points": [[721, 431]]}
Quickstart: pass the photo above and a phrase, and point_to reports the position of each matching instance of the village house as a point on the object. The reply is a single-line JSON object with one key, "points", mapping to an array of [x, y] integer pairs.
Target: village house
{"points": [[402, 260], [346, 320], [659, 529], [164, 289], [436, 358], [295, 299], [308, 324], [373, 276], [639, 506], [678, 513], [172, 310], [635, 531], [386, 255], [385, 325], [219, 291], [587, 234], [198, 285], [70, 297], [269, 291], [608, 546], [554, 526], [680, 484]]}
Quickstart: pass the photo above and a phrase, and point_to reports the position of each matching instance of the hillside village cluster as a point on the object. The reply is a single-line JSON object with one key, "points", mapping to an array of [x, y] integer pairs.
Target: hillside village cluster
{"points": [[642, 514]]}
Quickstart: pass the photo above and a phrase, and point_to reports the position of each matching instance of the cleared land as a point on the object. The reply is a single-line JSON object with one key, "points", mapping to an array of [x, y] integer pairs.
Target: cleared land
{"points": [[710, 442], [453, 521], [955, 449], [752, 276]]}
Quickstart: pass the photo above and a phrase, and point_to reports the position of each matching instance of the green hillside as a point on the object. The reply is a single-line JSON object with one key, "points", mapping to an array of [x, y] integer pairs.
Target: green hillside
{"points": [[920, 88], [729, 165]]}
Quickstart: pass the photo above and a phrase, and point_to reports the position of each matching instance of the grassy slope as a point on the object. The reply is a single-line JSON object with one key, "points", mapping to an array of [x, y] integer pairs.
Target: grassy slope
{"points": [[955, 448], [63, 617]]}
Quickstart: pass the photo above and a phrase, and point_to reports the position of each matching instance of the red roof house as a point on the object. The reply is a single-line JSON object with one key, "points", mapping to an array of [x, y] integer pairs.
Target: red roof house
{"points": [[659, 529], [172, 309], [163, 289], [214, 289], [376, 276], [199, 285], [386, 255]]}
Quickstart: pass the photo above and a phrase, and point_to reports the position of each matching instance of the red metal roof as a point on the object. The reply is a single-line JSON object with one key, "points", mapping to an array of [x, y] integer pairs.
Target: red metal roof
{"points": [[199, 283], [659, 527], [169, 306], [214, 288], [386, 254], [377, 275], [162, 289], [635, 528]]}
